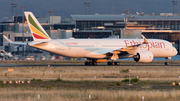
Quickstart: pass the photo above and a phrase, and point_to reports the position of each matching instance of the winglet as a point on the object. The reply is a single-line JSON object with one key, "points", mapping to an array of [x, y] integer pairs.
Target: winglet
{"points": [[7, 38], [145, 40]]}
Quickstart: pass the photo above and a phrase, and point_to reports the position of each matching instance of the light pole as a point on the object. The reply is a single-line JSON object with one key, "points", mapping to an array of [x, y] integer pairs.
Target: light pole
{"points": [[51, 12], [87, 5], [175, 3], [23, 7], [126, 11], [14, 5], [129, 77]]}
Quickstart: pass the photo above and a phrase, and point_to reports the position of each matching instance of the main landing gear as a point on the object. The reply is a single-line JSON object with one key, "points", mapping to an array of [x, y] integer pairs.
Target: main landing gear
{"points": [[91, 63], [113, 63], [167, 63], [94, 63]]}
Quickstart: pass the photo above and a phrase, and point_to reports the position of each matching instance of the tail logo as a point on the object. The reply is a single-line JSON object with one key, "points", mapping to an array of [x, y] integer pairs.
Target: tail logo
{"points": [[36, 30]]}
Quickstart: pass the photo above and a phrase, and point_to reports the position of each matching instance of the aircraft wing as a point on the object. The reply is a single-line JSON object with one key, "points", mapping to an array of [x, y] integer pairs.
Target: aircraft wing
{"points": [[133, 49], [111, 53], [130, 49], [17, 43]]}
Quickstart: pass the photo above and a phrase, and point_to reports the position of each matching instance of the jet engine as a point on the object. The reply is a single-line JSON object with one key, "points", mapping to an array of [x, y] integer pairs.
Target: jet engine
{"points": [[144, 57]]}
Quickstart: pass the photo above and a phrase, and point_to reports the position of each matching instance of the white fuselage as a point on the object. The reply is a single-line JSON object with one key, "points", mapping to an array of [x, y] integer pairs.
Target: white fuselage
{"points": [[82, 47]]}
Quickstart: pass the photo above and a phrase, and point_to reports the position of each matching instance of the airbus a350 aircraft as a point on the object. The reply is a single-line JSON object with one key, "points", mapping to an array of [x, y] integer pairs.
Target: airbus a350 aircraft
{"points": [[98, 50]]}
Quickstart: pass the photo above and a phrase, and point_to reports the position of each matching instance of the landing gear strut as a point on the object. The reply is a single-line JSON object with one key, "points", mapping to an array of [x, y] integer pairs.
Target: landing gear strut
{"points": [[167, 63]]}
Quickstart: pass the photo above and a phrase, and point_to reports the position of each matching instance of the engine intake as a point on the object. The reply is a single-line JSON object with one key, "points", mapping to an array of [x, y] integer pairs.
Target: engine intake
{"points": [[144, 57]]}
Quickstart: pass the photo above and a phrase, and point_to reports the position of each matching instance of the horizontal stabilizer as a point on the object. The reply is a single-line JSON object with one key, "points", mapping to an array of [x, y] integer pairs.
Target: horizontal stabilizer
{"points": [[11, 42], [38, 43]]}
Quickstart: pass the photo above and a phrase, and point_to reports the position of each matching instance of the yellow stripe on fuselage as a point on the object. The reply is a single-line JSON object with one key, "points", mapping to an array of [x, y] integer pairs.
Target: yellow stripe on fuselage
{"points": [[37, 32]]}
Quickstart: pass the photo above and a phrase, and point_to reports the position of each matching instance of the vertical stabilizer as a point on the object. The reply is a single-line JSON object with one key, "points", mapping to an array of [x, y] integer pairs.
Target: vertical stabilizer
{"points": [[37, 31]]}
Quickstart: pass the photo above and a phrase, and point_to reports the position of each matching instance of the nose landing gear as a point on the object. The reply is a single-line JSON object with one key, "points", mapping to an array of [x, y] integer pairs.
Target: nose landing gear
{"points": [[167, 63]]}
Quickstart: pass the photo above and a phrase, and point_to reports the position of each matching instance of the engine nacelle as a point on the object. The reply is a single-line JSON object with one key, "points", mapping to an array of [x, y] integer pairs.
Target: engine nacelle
{"points": [[144, 57]]}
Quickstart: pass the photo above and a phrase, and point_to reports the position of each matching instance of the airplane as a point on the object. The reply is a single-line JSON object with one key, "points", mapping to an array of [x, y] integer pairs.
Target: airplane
{"points": [[5, 55], [98, 50]]}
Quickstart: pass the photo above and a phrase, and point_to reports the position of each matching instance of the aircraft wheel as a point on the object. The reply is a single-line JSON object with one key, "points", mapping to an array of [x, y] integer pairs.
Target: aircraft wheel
{"points": [[113, 63], [95, 63], [116, 63], [90, 63], [86, 63], [166, 63], [109, 63]]}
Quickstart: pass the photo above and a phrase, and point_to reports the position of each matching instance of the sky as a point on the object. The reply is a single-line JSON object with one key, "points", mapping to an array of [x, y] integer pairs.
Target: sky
{"points": [[66, 8]]}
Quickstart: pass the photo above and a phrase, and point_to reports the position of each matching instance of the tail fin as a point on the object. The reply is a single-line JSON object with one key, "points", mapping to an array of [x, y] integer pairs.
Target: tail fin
{"points": [[37, 31]]}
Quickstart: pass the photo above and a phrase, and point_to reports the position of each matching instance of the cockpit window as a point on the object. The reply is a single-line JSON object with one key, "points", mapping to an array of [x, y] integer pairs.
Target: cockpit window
{"points": [[173, 44]]}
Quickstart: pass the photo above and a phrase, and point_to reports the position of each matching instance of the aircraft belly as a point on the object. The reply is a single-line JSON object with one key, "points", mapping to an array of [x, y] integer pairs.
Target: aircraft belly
{"points": [[73, 52], [82, 52], [69, 52]]}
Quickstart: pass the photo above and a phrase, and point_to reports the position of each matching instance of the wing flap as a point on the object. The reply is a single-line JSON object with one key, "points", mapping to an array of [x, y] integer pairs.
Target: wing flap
{"points": [[130, 49]]}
